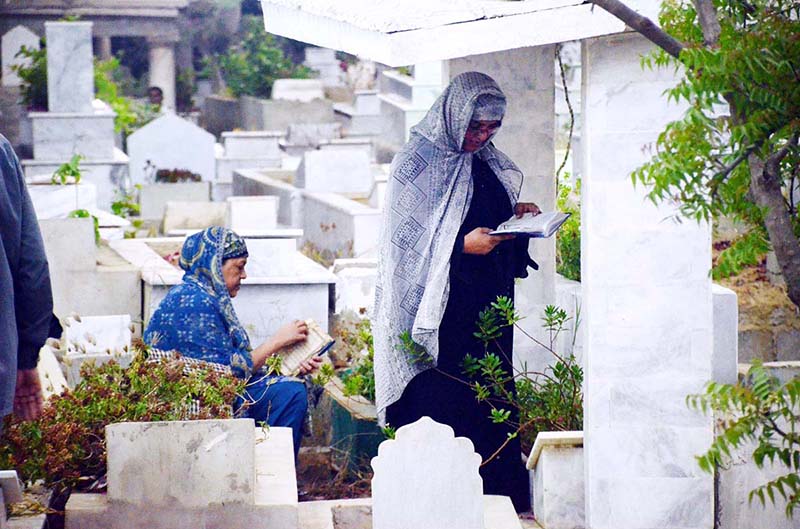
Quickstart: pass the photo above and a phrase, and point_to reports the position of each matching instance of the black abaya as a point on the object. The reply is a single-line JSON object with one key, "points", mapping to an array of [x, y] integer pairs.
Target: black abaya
{"points": [[475, 282]]}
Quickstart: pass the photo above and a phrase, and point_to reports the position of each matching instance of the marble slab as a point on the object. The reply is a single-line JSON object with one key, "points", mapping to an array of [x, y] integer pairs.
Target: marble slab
{"points": [[13, 40], [70, 67], [252, 213], [435, 474], [344, 171], [170, 142], [303, 90]]}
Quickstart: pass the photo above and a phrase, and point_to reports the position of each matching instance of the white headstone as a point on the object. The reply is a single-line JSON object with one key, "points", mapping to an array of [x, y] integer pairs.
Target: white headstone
{"points": [[183, 463], [70, 68], [252, 144], [12, 42], [252, 213], [298, 89], [310, 134], [345, 171], [427, 478], [98, 334], [170, 142]]}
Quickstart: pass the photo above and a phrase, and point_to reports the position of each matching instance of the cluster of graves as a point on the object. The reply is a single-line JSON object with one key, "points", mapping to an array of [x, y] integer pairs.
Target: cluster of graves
{"points": [[308, 178]]}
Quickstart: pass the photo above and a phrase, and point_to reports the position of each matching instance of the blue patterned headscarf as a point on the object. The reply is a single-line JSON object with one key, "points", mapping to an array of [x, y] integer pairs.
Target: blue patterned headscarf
{"points": [[202, 256]]}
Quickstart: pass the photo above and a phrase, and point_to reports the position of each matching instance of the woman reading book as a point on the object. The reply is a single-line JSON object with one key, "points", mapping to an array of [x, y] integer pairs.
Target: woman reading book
{"points": [[448, 188], [197, 319]]}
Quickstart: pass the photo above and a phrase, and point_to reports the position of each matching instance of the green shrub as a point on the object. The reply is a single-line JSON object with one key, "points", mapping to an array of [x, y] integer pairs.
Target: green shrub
{"points": [[33, 77], [252, 66], [360, 378], [65, 446], [568, 238]]}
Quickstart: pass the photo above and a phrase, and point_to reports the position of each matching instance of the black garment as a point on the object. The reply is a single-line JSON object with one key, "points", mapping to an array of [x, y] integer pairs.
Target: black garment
{"points": [[475, 282], [26, 301]]}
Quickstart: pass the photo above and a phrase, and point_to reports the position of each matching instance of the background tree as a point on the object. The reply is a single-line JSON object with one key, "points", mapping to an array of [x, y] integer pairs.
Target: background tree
{"points": [[735, 152]]}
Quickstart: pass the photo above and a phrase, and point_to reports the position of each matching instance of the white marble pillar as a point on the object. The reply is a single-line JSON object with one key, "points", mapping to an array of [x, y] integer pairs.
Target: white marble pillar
{"points": [[527, 137], [70, 67], [162, 70], [647, 309]]}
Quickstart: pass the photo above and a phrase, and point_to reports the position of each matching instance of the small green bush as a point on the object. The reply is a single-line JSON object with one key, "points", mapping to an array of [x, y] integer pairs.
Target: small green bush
{"points": [[568, 238], [33, 77], [252, 66], [360, 378]]}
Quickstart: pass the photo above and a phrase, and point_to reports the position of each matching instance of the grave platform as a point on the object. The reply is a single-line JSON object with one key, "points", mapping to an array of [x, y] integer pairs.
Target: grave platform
{"points": [[274, 494]]}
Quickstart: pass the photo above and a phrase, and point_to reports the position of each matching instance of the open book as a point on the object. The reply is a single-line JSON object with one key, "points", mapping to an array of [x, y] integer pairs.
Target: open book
{"points": [[317, 343], [542, 225]]}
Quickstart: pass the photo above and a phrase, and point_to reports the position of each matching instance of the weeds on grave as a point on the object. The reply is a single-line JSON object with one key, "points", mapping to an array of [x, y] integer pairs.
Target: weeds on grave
{"points": [[568, 238], [65, 446], [761, 410], [550, 400], [356, 341]]}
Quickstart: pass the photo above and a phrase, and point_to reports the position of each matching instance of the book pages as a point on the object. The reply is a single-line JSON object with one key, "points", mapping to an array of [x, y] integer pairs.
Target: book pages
{"points": [[318, 342]]}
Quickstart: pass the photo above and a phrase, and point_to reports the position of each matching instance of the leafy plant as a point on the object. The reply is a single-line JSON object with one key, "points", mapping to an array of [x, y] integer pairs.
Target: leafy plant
{"points": [[360, 378], [763, 411], [544, 401], [130, 115], [65, 446], [125, 204], [68, 172], [33, 76], [746, 250], [252, 66], [568, 238]]}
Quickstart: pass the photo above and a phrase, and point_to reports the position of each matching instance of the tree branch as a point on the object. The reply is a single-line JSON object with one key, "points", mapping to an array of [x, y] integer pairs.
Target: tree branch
{"points": [[642, 25], [707, 15]]}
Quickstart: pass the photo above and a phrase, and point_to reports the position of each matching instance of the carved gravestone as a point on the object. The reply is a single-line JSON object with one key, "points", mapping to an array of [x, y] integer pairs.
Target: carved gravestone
{"points": [[427, 478], [12, 42]]}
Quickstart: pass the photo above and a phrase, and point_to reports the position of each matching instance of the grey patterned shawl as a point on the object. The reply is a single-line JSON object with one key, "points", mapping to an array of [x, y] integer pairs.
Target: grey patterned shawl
{"points": [[429, 192]]}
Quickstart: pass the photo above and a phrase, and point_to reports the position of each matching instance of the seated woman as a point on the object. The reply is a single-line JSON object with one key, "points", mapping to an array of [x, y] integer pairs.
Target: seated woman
{"points": [[198, 320]]}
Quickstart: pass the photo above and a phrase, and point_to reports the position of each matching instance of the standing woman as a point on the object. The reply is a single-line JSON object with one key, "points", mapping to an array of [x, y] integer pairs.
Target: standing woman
{"points": [[449, 187]]}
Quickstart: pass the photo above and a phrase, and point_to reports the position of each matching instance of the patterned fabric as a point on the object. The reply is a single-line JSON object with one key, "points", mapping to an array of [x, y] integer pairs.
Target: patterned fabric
{"points": [[429, 192], [197, 317]]}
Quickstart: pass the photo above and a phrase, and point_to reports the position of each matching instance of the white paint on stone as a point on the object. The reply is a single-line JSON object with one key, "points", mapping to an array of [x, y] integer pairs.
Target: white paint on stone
{"points": [[277, 183], [12, 42], [435, 474], [556, 463], [324, 62], [342, 226], [303, 90], [171, 142], [54, 201], [252, 213], [726, 335], [193, 215], [153, 198], [355, 284], [182, 463], [647, 309], [98, 334], [344, 171], [310, 134], [70, 68], [162, 71], [252, 144]]}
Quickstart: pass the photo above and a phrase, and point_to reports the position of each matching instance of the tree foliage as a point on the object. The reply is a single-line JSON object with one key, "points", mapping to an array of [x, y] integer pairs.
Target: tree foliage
{"points": [[735, 151], [764, 412], [252, 66]]}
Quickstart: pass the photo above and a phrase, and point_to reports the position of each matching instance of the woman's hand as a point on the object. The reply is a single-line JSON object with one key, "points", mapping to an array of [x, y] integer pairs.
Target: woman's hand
{"points": [[526, 207], [289, 334], [479, 242], [310, 365]]}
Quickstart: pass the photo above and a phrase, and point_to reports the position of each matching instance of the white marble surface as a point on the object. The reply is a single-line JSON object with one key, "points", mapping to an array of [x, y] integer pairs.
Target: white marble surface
{"points": [[193, 215], [252, 144], [344, 171], [13, 40], [726, 334], [269, 114], [325, 63], [557, 483], [98, 334], [54, 201], [57, 136], [252, 213], [342, 226], [302, 90], [185, 463], [171, 142], [647, 309], [70, 70], [355, 284], [226, 167], [435, 474], [153, 198], [254, 183], [310, 134]]}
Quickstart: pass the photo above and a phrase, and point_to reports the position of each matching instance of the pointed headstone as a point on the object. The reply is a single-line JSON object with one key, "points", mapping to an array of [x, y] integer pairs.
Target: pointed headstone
{"points": [[427, 478], [12, 43]]}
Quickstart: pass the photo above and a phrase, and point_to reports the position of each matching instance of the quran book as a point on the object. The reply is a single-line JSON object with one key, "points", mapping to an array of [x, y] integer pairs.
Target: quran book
{"points": [[316, 344], [540, 226]]}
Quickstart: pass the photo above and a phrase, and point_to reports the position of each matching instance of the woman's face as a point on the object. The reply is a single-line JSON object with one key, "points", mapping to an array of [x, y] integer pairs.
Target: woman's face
{"points": [[233, 273], [478, 133]]}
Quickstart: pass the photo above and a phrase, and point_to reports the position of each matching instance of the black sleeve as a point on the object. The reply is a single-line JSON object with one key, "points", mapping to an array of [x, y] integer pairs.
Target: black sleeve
{"points": [[33, 297], [522, 259]]}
